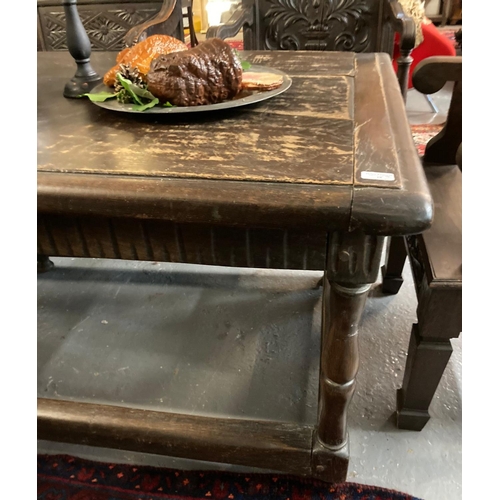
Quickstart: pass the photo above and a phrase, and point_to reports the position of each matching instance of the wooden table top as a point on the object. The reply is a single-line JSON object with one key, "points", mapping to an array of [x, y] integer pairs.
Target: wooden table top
{"points": [[334, 152]]}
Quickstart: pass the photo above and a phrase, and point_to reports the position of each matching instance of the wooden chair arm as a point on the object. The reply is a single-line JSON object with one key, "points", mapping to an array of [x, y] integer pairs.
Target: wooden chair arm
{"points": [[242, 16], [402, 24], [140, 32], [431, 74]]}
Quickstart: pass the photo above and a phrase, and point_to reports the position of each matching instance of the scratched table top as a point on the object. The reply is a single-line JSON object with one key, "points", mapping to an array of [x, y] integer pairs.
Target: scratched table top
{"points": [[334, 151]]}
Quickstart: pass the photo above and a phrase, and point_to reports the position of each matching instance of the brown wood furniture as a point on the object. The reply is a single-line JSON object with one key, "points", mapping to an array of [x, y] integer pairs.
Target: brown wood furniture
{"points": [[435, 255], [339, 25], [107, 22], [315, 178]]}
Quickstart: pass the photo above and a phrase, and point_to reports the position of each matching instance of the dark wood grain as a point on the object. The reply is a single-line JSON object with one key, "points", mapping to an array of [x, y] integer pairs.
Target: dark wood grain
{"points": [[193, 201], [408, 210], [392, 270], [305, 64], [436, 262], [374, 139], [308, 140], [339, 360], [435, 255], [303, 137], [275, 185], [445, 261], [153, 240], [430, 76], [278, 446], [353, 261]]}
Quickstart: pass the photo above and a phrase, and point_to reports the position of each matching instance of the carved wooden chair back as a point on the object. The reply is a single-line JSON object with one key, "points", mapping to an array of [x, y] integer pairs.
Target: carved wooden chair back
{"points": [[347, 25], [337, 25], [113, 25], [429, 77]]}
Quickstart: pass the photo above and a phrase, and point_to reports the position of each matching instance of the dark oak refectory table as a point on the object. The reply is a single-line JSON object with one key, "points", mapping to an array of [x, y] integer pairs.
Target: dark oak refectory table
{"points": [[315, 178]]}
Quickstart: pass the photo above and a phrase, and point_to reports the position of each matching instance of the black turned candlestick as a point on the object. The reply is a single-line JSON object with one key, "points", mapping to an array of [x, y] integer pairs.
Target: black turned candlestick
{"points": [[79, 47]]}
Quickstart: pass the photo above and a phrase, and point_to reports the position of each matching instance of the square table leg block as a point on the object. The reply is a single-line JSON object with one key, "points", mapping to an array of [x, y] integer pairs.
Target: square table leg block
{"points": [[390, 284], [411, 420], [330, 465]]}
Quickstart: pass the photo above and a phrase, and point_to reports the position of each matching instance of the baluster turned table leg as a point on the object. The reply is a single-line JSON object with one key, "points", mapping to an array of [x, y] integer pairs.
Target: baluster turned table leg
{"points": [[353, 263], [79, 47]]}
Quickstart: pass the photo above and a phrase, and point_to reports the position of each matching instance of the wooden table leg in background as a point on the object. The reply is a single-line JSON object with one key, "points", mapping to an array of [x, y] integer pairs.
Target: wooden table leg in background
{"points": [[44, 264], [352, 266]]}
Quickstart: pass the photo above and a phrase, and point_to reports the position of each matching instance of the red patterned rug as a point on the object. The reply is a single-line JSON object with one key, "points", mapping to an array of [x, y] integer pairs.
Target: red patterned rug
{"points": [[62, 477], [422, 134]]}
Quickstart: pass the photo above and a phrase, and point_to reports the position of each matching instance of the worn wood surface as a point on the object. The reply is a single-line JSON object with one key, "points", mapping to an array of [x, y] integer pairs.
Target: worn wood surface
{"points": [[244, 204], [444, 261], [300, 141], [308, 139], [376, 159], [390, 212], [278, 446], [260, 187]]}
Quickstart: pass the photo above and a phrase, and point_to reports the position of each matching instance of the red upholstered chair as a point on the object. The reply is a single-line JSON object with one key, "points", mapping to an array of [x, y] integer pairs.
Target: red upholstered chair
{"points": [[434, 44]]}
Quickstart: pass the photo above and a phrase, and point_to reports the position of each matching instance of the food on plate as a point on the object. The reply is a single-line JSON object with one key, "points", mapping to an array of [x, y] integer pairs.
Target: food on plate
{"points": [[139, 56], [163, 71], [261, 81], [209, 73]]}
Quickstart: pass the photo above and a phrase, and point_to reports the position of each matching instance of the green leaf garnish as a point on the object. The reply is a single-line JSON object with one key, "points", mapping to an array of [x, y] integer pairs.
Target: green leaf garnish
{"points": [[142, 107], [129, 87], [245, 65], [168, 105], [144, 93], [138, 94], [99, 96]]}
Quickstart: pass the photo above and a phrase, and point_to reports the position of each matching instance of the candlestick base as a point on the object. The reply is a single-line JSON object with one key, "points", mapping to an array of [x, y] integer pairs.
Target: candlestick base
{"points": [[80, 85]]}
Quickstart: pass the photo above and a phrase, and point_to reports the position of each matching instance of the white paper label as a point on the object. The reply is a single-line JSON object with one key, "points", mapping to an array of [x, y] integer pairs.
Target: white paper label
{"points": [[377, 176]]}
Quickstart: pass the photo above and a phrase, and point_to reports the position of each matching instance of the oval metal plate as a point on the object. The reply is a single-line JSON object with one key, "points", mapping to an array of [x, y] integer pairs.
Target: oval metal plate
{"points": [[243, 99]]}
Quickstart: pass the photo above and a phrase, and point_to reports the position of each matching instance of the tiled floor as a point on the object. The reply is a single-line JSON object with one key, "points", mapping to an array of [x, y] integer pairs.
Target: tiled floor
{"points": [[117, 332]]}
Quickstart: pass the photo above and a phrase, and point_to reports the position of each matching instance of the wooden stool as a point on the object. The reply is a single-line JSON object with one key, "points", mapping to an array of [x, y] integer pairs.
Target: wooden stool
{"points": [[435, 255]]}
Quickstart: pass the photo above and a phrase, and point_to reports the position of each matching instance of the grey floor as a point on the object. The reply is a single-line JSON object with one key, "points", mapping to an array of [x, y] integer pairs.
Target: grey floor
{"points": [[241, 342]]}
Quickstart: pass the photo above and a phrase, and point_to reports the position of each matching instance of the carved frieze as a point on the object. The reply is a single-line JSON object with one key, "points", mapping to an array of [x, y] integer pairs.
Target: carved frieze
{"points": [[106, 24], [319, 25]]}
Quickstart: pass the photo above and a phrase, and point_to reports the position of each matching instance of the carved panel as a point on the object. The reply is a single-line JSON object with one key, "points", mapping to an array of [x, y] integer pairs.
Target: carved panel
{"points": [[136, 239], [354, 258], [105, 24], [347, 25]]}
